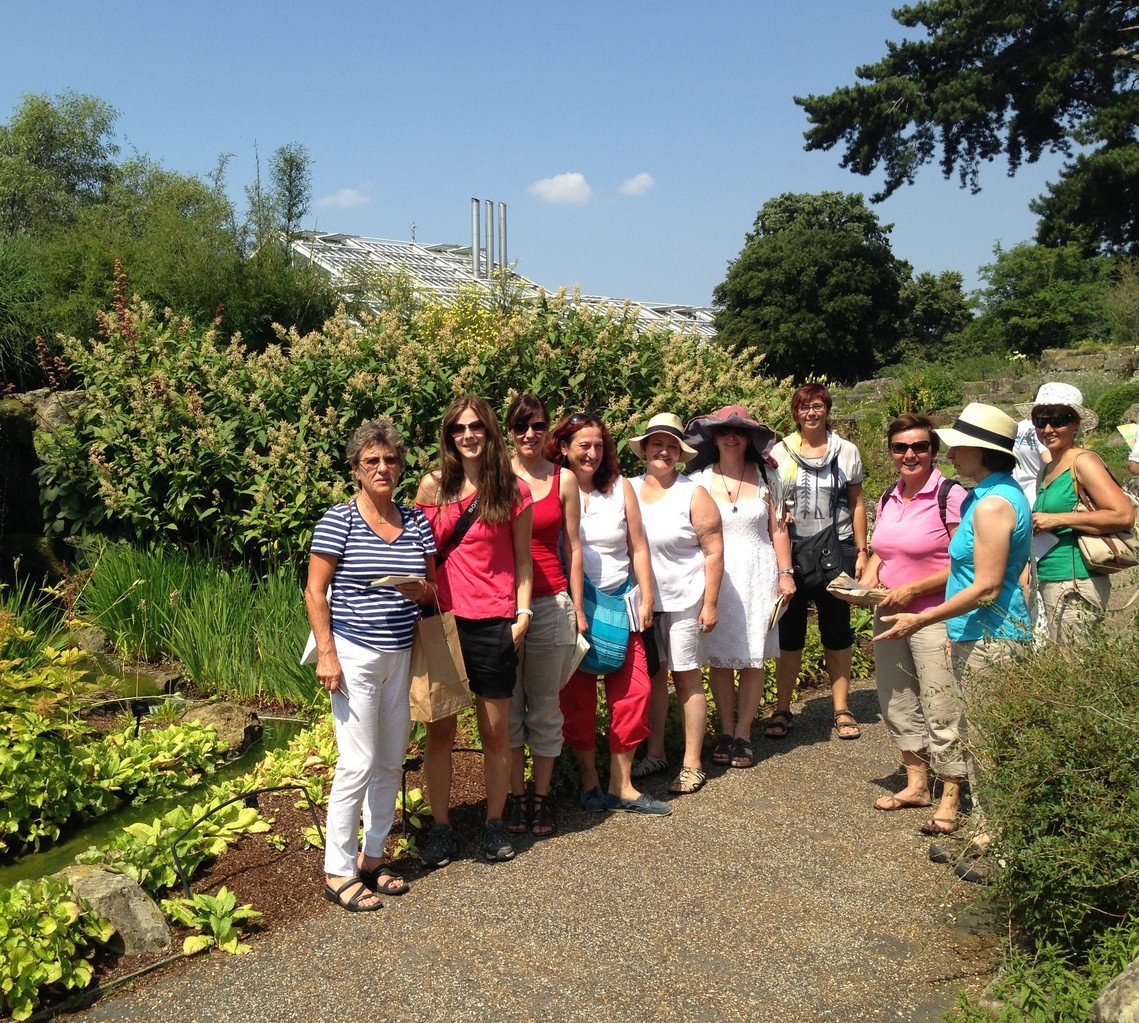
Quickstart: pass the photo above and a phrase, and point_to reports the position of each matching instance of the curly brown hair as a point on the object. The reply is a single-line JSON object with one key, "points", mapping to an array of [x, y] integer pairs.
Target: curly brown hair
{"points": [[608, 469]]}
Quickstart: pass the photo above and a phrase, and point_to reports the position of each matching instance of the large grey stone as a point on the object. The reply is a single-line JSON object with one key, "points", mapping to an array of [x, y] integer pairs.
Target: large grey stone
{"points": [[1119, 1001], [140, 927], [237, 727]]}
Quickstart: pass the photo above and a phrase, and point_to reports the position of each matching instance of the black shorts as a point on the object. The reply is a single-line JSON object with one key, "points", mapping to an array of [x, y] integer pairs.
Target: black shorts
{"points": [[489, 656]]}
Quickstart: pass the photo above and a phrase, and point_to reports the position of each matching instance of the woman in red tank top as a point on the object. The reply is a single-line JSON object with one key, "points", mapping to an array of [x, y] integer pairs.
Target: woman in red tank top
{"points": [[547, 651]]}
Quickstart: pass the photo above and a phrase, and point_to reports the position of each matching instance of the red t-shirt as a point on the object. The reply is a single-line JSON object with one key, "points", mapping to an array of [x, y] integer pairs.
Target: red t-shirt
{"points": [[477, 579]]}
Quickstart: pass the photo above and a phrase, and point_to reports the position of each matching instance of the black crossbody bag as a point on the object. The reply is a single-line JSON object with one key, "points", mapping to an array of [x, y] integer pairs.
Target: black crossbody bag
{"points": [[819, 558]]}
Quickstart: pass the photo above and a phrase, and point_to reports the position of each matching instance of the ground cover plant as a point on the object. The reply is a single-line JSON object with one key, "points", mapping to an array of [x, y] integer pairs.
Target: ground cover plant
{"points": [[56, 769], [1059, 766], [48, 937]]}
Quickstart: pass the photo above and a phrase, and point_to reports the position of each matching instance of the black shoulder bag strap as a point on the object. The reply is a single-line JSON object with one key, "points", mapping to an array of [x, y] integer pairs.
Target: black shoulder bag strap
{"points": [[834, 491], [457, 534]]}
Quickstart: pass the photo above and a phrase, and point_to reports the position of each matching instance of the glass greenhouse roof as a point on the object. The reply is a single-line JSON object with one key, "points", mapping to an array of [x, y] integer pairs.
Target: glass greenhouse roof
{"points": [[444, 271]]}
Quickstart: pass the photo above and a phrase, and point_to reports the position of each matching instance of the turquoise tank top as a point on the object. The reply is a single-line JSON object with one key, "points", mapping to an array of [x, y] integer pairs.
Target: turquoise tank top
{"points": [[1007, 616]]}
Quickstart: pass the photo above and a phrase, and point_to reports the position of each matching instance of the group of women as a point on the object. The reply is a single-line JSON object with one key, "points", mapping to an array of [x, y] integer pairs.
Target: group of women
{"points": [[521, 548], [962, 569]]}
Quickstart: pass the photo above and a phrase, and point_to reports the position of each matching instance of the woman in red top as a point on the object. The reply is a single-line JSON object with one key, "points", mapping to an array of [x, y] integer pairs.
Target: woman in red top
{"points": [[485, 579], [551, 641]]}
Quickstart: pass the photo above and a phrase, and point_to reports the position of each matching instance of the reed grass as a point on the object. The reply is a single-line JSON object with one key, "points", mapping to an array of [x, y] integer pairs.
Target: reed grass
{"points": [[236, 636]]}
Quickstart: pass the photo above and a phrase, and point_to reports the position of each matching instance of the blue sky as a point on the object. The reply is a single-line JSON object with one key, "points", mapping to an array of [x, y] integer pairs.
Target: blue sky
{"points": [[633, 142]]}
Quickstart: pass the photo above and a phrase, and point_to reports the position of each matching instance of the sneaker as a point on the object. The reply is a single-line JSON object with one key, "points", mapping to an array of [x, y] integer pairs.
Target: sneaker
{"points": [[496, 843], [644, 803], [441, 846], [595, 800]]}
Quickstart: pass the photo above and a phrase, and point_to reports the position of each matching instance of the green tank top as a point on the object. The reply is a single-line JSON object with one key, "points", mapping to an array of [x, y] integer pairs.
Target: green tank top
{"points": [[1063, 561]]}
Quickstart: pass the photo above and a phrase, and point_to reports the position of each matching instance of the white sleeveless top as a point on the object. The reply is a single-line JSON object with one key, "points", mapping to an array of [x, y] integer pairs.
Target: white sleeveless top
{"points": [[605, 538], [678, 561]]}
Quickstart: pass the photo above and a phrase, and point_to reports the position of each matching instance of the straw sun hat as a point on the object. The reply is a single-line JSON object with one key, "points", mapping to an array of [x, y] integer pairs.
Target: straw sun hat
{"points": [[663, 422], [981, 426]]}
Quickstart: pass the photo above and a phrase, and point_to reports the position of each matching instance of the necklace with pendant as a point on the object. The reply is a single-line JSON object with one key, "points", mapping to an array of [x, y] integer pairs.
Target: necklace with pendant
{"points": [[739, 486]]}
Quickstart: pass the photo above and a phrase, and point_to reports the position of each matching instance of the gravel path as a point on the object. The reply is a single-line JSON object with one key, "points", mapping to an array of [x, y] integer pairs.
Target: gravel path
{"points": [[776, 893]]}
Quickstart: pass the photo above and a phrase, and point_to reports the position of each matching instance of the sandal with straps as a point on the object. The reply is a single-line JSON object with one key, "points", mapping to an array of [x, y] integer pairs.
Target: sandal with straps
{"points": [[544, 822], [779, 724], [517, 813], [846, 729]]}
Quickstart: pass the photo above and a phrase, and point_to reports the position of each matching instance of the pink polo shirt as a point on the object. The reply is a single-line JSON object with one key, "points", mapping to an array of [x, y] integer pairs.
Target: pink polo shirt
{"points": [[912, 541]]}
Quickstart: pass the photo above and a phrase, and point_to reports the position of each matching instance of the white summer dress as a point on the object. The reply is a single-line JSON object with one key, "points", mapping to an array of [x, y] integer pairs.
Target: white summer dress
{"points": [[751, 576]]}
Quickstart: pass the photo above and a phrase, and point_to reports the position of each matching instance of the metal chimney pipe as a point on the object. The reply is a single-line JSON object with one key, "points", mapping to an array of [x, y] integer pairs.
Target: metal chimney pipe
{"points": [[489, 239], [475, 243], [502, 237]]}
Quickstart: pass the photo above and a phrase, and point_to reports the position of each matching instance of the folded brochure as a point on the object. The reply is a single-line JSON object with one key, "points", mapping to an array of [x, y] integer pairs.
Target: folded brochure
{"points": [[849, 589], [396, 580], [778, 610]]}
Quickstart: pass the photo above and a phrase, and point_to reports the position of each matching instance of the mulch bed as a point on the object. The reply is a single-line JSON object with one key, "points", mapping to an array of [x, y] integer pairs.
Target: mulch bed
{"points": [[261, 875]]}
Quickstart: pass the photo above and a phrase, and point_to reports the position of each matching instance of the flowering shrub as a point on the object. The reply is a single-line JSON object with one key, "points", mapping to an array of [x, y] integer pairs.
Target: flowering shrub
{"points": [[192, 439]]}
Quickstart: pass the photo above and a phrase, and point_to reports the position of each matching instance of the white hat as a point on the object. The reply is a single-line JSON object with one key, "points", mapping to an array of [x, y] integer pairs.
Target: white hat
{"points": [[1056, 393], [981, 426], [664, 422]]}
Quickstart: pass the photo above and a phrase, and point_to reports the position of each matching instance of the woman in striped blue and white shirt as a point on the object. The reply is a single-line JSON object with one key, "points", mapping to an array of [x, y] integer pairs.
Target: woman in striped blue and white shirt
{"points": [[363, 638]]}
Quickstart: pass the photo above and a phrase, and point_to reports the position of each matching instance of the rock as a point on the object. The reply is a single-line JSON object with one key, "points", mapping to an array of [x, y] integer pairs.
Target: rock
{"points": [[140, 927], [237, 727], [54, 409], [1119, 1001], [89, 639]]}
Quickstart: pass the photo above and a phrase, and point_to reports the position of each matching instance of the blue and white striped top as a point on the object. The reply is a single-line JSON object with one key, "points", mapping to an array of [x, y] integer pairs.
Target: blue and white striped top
{"points": [[377, 617]]}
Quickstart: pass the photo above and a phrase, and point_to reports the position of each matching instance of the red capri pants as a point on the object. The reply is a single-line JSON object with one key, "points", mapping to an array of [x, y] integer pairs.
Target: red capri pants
{"points": [[627, 692]]}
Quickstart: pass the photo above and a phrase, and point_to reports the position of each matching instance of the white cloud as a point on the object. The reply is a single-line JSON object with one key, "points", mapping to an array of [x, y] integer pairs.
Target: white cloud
{"points": [[638, 185], [563, 188], [344, 199]]}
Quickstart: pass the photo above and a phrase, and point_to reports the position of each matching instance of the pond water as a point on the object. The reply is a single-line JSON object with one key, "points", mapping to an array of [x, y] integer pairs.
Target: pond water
{"points": [[277, 734]]}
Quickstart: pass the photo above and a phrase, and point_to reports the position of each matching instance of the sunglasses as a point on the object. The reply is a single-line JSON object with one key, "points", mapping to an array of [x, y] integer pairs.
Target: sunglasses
{"points": [[374, 462], [1054, 421], [730, 431], [580, 418], [918, 447], [520, 429], [476, 426]]}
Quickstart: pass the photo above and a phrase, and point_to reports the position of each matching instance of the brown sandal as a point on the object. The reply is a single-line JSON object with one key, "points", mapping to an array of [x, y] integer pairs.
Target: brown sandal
{"points": [[544, 823], [847, 729], [779, 724]]}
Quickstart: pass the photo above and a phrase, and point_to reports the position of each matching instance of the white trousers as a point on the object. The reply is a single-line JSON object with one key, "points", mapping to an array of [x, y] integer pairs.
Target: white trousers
{"points": [[372, 716]]}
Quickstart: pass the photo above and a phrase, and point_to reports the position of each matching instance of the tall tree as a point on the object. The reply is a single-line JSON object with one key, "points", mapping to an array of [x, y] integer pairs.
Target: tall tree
{"points": [[936, 310], [1038, 297], [56, 155], [816, 287], [1012, 77], [291, 172]]}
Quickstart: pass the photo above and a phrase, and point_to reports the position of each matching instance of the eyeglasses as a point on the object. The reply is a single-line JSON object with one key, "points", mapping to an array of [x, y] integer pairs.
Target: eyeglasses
{"points": [[918, 447], [520, 429], [730, 431], [1054, 421], [578, 418], [374, 461], [818, 406], [476, 426]]}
